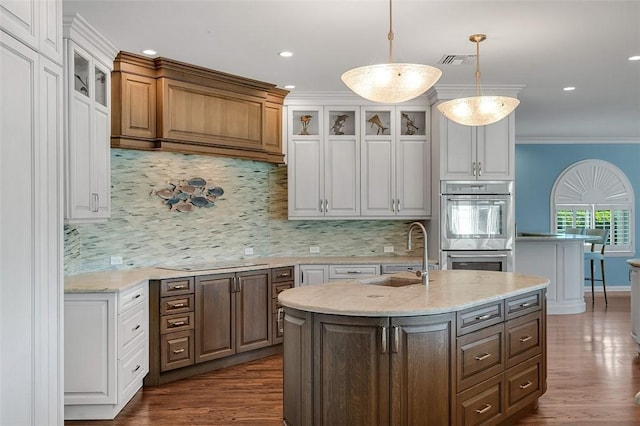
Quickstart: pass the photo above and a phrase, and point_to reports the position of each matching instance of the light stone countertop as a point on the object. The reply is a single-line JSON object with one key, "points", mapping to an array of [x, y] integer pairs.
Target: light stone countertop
{"points": [[115, 281], [634, 262], [542, 236], [448, 291]]}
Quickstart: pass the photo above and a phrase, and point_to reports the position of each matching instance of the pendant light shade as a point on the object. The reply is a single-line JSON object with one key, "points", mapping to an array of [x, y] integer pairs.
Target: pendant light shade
{"points": [[391, 82], [478, 110]]}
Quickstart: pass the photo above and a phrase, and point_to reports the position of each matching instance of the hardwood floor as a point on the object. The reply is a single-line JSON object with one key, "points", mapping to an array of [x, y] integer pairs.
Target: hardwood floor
{"points": [[594, 373]]}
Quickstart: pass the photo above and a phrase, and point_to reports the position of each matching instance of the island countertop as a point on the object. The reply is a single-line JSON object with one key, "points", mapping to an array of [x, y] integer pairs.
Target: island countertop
{"points": [[448, 291]]}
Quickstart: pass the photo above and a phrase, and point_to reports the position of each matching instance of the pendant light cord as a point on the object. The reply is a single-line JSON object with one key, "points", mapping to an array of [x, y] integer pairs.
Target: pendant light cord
{"points": [[390, 35], [478, 66]]}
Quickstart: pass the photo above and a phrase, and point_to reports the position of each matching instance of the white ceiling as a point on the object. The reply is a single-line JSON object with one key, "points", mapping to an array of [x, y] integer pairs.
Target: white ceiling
{"points": [[542, 45]]}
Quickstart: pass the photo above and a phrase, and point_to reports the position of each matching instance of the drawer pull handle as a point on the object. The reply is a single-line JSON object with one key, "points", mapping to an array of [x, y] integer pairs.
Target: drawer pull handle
{"points": [[279, 321], [136, 296], [525, 385], [482, 357], [354, 272], [136, 369], [179, 287], [136, 327], [284, 274], [486, 408], [177, 323], [178, 351], [177, 305], [525, 339], [526, 304], [483, 317]]}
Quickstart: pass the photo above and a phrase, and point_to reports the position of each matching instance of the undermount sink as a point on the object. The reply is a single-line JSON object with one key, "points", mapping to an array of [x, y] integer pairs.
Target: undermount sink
{"points": [[393, 281]]}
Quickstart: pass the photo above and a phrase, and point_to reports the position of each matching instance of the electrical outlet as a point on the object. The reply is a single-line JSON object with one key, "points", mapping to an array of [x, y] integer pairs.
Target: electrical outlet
{"points": [[248, 250], [116, 260], [314, 249], [388, 249]]}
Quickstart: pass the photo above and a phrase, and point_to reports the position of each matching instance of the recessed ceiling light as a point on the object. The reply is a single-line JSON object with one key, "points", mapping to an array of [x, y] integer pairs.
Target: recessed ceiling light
{"points": [[634, 58], [149, 52], [285, 54], [568, 88], [289, 86]]}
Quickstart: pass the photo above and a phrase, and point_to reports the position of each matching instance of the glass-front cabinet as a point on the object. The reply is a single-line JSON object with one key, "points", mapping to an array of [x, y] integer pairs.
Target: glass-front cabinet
{"points": [[88, 65], [355, 161], [396, 162]]}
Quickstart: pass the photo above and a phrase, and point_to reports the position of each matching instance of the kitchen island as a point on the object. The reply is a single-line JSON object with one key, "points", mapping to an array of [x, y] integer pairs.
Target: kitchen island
{"points": [[559, 258], [469, 348]]}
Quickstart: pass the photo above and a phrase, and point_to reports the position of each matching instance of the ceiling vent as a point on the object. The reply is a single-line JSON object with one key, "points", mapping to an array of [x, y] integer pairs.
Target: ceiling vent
{"points": [[457, 60]]}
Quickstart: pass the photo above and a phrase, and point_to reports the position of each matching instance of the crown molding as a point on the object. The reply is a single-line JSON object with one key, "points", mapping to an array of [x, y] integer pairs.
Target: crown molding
{"points": [[545, 140]]}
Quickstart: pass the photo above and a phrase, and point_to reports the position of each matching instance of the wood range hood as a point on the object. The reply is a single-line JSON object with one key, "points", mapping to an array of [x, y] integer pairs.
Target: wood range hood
{"points": [[162, 104]]}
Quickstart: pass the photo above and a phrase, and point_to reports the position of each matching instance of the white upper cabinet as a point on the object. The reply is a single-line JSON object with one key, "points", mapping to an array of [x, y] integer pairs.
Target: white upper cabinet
{"points": [[324, 168], [37, 23], [477, 153], [88, 64], [396, 162], [351, 162]]}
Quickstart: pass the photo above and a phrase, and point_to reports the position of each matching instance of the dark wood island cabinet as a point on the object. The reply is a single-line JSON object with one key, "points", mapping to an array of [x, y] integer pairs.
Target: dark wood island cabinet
{"points": [[480, 360]]}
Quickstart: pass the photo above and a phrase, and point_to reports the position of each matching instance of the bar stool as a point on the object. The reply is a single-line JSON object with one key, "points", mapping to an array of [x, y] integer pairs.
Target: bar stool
{"points": [[600, 237]]}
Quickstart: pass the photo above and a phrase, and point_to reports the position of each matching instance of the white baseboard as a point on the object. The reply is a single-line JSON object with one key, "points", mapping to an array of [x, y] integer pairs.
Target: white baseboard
{"points": [[610, 288]]}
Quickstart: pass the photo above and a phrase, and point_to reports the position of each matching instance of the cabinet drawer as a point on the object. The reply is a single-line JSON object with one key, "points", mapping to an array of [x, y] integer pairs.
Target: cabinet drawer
{"points": [[480, 356], [482, 404], [523, 384], [131, 297], [177, 286], [352, 271], [279, 288], [131, 325], [475, 318], [176, 350], [523, 338], [176, 304], [282, 274], [173, 323], [132, 369], [521, 305]]}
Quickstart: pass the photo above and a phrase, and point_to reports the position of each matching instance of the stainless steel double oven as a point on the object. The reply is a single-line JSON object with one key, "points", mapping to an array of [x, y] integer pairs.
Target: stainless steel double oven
{"points": [[477, 225]]}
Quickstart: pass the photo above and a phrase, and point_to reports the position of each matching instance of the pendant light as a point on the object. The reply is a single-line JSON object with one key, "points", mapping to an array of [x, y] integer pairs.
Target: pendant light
{"points": [[391, 82], [478, 110]]}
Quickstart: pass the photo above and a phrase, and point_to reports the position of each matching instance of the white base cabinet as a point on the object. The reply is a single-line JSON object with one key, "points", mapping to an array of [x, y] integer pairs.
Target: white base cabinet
{"points": [[106, 351]]}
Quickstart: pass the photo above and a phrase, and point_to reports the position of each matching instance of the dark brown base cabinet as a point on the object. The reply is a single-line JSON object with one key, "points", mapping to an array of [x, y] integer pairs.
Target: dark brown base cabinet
{"points": [[207, 322], [483, 365]]}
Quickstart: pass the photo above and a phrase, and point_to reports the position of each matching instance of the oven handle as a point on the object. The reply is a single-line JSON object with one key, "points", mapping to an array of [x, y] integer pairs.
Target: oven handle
{"points": [[468, 256], [476, 198]]}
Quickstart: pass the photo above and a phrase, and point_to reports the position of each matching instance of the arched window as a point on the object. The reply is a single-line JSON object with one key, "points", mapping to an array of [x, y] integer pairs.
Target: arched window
{"points": [[595, 194]]}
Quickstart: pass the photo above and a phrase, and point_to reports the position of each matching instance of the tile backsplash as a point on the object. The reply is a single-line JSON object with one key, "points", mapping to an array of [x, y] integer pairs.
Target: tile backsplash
{"points": [[251, 213]]}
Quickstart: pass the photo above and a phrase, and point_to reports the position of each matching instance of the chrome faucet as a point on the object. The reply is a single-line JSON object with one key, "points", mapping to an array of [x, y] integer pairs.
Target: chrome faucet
{"points": [[424, 274]]}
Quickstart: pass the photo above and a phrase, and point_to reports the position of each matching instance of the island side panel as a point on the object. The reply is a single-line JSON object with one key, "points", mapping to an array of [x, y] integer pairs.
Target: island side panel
{"points": [[297, 368]]}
